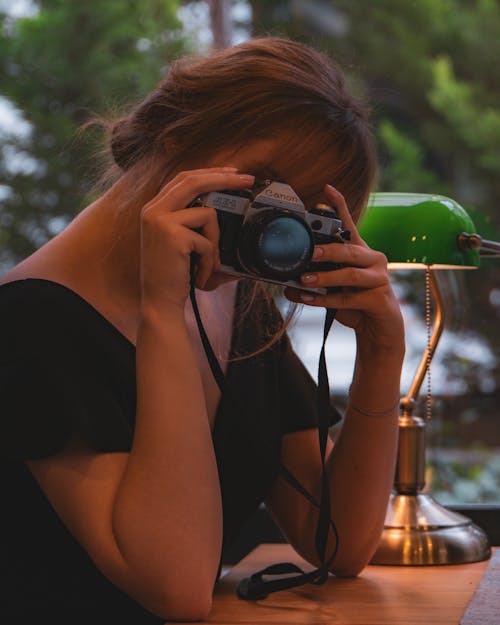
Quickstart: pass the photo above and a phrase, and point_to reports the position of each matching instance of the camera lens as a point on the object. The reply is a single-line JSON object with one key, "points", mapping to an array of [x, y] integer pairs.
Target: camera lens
{"points": [[276, 245]]}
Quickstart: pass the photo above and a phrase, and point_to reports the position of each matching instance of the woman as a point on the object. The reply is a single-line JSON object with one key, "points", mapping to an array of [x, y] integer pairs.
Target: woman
{"points": [[124, 469]]}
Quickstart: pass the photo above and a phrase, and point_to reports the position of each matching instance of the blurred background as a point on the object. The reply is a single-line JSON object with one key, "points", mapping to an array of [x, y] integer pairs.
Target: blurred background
{"points": [[428, 68]]}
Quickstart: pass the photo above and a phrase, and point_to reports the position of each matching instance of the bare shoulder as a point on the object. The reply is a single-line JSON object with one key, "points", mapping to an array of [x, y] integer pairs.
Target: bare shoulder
{"points": [[40, 264]]}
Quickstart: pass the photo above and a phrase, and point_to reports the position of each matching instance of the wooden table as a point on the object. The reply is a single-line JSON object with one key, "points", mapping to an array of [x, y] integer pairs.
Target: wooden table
{"points": [[381, 595]]}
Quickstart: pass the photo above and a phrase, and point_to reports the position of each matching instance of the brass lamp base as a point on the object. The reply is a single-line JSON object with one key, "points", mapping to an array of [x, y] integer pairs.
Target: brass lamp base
{"points": [[419, 531]]}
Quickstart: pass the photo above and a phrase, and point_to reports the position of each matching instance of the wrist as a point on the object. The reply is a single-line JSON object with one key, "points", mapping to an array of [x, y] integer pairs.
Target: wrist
{"points": [[383, 336], [384, 351], [390, 409], [161, 317], [153, 309]]}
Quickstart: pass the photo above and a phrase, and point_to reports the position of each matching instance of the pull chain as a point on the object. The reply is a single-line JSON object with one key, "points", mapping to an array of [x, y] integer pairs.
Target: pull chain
{"points": [[428, 399]]}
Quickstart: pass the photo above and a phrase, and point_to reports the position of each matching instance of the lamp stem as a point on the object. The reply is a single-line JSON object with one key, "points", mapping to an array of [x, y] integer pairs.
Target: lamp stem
{"points": [[410, 465], [408, 402]]}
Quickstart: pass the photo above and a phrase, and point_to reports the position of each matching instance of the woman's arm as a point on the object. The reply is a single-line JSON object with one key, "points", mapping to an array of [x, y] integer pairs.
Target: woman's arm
{"points": [[361, 465], [360, 482], [151, 520], [360, 469], [167, 515]]}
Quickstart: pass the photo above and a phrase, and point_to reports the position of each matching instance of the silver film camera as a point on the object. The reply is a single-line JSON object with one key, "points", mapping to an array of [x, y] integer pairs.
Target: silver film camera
{"points": [[267, 234]]}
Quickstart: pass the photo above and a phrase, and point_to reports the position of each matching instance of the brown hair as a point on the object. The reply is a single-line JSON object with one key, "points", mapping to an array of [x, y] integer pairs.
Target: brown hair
{"points": [[259, 89]]}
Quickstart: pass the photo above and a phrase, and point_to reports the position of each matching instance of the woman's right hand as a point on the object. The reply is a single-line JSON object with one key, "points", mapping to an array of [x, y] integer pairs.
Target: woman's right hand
{"points": [[171, 232]]}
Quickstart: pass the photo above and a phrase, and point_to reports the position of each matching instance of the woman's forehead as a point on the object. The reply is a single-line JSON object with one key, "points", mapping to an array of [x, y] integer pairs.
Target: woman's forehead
{"points": [[307, 175], [301, 164]]}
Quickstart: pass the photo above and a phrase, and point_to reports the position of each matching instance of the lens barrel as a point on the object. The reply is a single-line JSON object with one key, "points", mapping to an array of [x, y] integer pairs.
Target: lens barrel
{"points": [[275, 244]]}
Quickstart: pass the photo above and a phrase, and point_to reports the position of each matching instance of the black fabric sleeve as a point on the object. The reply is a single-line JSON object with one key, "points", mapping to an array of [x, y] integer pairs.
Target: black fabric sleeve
{"points": [[298, 394], [43, 406], [53, 378]]}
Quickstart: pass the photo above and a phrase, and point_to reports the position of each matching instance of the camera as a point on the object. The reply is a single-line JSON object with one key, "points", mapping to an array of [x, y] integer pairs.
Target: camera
{"points": [[266, 233]]}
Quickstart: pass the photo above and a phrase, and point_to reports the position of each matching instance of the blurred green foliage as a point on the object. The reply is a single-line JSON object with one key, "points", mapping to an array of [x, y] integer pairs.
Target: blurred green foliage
{"points": [[429, 71], [59, 67]]}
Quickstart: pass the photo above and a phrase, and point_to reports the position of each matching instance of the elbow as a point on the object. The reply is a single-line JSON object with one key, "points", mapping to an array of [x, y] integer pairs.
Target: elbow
{"points": [[354, 556], [350, 564], [344, 564], [342, 567], [189, 598], [193, 607], [195, 613], [352, 569]]}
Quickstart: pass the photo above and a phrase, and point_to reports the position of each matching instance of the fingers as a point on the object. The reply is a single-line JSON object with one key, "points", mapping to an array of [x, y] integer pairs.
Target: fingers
{"points": [[347, 276], [360, 266], [344, 299], [360, 280], [202, 234], [204, 250], [184, 174], [172, 233], [170, 204], [348, 254], [338, 202], [191, 186], [182, 189]]}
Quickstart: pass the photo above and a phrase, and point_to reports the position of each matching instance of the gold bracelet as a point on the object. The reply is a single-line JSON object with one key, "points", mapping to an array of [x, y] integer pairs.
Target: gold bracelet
{"points": [[381, 413]]}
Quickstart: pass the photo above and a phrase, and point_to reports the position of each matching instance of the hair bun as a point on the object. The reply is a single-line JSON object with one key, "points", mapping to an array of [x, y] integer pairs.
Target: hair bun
{"points": [[126, 144]]}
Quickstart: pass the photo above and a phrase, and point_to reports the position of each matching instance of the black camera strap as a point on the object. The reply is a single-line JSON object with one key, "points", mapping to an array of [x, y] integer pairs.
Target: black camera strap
{"points": [[255, 587]]}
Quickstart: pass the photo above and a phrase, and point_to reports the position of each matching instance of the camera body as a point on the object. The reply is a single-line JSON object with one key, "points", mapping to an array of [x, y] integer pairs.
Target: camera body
{"points": [[267, 234]]}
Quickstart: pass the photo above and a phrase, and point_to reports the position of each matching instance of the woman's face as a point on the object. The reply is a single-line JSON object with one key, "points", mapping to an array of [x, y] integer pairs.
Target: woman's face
{"points": [[272, 159]]}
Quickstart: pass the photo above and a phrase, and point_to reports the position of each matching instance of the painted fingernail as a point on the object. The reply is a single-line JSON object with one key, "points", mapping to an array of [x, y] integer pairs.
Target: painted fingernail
{"points": [[308, 278], [317, 253], [247, 178], [306, 297]]}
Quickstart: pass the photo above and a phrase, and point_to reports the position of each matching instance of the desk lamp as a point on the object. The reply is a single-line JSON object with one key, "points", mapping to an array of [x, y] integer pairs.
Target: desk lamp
{"points": [[426, 232]]}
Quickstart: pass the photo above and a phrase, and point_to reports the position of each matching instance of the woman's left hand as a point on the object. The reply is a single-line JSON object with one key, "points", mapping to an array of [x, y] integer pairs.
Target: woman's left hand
{"points": [[365, 301]]}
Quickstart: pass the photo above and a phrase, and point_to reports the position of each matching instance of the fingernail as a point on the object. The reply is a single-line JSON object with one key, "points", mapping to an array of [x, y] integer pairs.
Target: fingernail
{"points": [[329, 186], [309, 278], [306, 297], [317, 253], [247, 178], [229, 169]]}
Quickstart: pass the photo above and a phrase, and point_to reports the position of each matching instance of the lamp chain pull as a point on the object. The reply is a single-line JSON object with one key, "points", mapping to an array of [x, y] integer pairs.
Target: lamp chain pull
{"points": [[428, 399]]}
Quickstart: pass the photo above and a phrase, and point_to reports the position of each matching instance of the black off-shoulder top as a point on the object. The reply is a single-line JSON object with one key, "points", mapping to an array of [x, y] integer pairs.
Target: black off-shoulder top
{"points": [[65, 370]]}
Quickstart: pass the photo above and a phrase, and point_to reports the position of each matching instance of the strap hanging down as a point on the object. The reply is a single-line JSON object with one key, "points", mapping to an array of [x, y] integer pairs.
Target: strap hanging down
{"points": [[255, 587]]}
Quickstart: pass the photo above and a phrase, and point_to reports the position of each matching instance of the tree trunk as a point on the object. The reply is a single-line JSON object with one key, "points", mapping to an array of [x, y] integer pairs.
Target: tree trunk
{"points": [[221, 22]]}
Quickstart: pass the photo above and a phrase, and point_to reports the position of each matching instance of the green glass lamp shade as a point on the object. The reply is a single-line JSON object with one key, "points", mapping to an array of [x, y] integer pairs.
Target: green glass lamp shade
{"points": [[417, 228]]}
